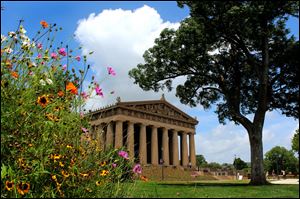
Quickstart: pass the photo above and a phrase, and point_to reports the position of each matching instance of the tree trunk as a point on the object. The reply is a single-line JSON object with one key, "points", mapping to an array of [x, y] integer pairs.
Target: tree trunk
{"points": [[257, 168]]}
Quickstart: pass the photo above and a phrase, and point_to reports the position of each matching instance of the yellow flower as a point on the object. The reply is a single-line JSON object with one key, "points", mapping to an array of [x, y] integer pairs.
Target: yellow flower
{"points": [[104, 172], [30, 145], [56, 157], [102, 164], [61, 164], [69, 146], [53, 177], [65, 174], [98, 183], [9, 185], [23, 188], [43, 100], [84, 174]]}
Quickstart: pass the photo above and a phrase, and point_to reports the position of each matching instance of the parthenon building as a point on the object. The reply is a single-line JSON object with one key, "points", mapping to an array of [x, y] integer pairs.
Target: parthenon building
{"points": [[154, 132]]}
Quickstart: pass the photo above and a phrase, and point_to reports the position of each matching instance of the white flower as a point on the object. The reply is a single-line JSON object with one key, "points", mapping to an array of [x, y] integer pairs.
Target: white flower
{"points": [[42, 82], [49, 81], [22, 30], [8, 50], [3, 38], [11, 33]]}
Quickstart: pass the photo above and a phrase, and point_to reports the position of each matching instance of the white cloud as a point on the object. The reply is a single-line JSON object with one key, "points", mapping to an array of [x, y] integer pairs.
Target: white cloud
{"points": [[119, 38]]}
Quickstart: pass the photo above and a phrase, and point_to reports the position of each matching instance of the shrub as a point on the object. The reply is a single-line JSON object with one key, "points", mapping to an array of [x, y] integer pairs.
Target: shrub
{"points": [[46, 146]]}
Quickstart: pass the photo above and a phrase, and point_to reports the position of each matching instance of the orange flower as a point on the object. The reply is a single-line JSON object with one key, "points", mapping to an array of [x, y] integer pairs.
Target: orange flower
{"points": [[14, 74], [44, 24], [144, 178], [9, 185], [43, 100], [23, 188], [60, 93], [71, 87]]}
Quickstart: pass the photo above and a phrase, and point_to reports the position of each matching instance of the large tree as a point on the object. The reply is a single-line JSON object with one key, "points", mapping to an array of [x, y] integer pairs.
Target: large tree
{"points": [[235, 54], [295, 142]]}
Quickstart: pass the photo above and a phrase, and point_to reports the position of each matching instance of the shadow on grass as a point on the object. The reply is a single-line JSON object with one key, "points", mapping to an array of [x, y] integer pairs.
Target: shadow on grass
{"points": [[213, 184]]}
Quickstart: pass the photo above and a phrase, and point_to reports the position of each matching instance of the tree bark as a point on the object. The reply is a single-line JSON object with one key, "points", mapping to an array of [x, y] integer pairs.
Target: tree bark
{"points": [[256, 147]]}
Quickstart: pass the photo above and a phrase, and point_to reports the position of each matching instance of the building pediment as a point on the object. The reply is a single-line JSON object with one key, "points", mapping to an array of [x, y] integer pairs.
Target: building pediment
{"points": [[158, 107]]}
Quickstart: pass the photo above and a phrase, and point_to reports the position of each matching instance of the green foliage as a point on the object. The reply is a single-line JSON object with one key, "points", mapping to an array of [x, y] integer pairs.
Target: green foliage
{"points": [[200, 161], [279, 158], [46, 146], [295, 142], [214, 165], [239, 164]]}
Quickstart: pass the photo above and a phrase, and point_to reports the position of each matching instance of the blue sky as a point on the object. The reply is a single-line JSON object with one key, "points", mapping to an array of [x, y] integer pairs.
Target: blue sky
{"points": [[119, 38]]}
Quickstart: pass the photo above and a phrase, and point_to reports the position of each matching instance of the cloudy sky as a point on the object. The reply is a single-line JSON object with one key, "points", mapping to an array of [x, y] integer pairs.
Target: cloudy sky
{"points": [[119, 33]]}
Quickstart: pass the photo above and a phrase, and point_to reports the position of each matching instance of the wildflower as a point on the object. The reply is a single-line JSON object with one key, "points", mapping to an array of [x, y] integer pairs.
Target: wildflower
{"points": [[8, 64], [39, 56], [22, 30], [53, 177], [49, 81], [102, 164], [64, 67], [104, 172], [137, 169], [39, 46], [14, 74], [9, 185], [123, 154], [144, 178], [42, 82], [23, 188], [77, 58], [56, 157], [43, 100], [81, 114], [69, 146], [60, 93], [84, 174], [98, 91], [114, 165], [62, 51], [111, 71], [84, 129], [30, 73], [65, 174], [54, 55], [61, 164], [3, 38], [71, 87], [98, 183], [8, 50], [11, 34], [84, 95], [44, 24], [30, 145]]}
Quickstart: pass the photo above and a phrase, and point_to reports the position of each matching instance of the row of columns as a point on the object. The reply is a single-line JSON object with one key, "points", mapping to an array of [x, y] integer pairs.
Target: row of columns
{"points": [[118, 142]]}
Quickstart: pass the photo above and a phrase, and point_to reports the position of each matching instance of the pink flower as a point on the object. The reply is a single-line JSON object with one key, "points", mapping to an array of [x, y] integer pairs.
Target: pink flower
{"points": [[84, 129], [39, 56], [137, 169], [77, 58], [30, 73], [84, 95], [111, 71], [43, 63], [114, 165], [39, 46], [62, 51], [64, 67], [53, 55], [81, 114], [123, 154], [99, 91]]}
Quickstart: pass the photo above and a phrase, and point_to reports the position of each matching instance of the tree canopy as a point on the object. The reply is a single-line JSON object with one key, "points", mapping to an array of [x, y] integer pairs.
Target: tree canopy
{"points": [[295, 142], [239, 164], [234, 54], [279, 158]]}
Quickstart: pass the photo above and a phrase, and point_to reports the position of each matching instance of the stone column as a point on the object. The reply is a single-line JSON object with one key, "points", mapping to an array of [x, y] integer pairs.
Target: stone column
{"points": [[165, 146], [130, 139], [184, 149], [192, 150], [100, 136], [154, 146], [175, 148], [119, 134], [142, 145], [109, 135]]}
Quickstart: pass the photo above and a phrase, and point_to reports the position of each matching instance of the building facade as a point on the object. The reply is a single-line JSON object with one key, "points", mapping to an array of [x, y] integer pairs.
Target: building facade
{"points": [[154, 132]]}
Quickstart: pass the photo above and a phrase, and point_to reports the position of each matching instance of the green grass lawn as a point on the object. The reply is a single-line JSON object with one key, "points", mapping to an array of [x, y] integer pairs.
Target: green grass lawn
{"points": [[212, 189]]}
